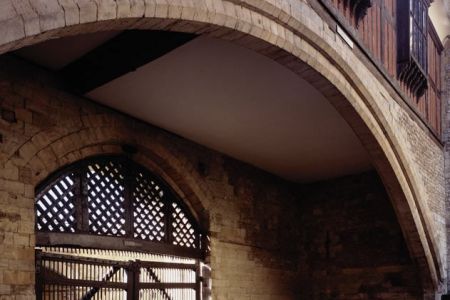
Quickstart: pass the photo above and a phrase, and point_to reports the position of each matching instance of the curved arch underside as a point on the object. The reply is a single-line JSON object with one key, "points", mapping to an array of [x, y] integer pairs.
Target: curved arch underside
{"points": [[293, 34]]}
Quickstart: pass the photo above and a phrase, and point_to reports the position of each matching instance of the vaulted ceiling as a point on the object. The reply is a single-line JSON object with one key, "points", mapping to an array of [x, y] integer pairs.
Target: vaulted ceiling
{"points": [[214, 93]]}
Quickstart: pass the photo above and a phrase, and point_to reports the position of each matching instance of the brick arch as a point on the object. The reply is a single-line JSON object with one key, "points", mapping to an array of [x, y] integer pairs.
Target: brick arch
{"points": [[64, 149], [289, 32]]}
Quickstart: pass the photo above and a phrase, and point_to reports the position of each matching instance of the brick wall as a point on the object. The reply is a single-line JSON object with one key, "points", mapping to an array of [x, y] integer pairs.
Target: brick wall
{"points": [[351, 243], [446, 136], [43, 128], [299, 35], [270, 239]]}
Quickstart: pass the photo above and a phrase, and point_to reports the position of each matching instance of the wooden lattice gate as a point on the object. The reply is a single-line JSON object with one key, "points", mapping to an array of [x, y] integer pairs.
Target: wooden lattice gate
{"points": [[108, 228], [72, 275]]}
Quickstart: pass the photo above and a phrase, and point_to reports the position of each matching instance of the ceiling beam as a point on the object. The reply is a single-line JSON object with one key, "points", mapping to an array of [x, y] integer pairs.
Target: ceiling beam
{"points": [[119, 56]]}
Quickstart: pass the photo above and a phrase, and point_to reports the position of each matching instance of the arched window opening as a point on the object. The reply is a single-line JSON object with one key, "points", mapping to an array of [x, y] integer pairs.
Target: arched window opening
{"points": [[107, 228]]}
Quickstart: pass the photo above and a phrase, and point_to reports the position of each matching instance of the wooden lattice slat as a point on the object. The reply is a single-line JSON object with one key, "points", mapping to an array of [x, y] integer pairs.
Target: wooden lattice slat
{"points": [[183, 231], [148, 209], [113, 196], [55, 206], [106, 198]]}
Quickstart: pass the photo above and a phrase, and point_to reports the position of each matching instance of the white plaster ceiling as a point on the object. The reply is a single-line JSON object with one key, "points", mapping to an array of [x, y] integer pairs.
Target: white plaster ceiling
{"points": [[237, 102], [440, 16]]}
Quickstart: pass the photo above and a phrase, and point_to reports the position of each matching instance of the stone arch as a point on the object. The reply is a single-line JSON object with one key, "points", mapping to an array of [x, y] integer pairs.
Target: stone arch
{"points": [[58, 149], [293, 34]]}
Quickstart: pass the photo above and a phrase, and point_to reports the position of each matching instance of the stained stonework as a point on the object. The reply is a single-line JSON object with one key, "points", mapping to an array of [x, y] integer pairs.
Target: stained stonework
{"points": [[352, 246], [270, 238], [408, 159], [446, 96], [246, 211]]}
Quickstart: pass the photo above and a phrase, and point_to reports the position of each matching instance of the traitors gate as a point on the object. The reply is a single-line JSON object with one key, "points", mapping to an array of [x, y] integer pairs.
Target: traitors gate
{"points": [[107, 228], [67, 273]]}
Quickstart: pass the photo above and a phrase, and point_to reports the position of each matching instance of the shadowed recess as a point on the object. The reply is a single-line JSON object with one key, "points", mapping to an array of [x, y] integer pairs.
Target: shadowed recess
{"points": [[120, 55]]}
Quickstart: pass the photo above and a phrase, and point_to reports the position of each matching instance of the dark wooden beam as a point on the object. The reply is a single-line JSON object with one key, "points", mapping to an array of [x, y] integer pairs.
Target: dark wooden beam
{"points": [[156, 279], [113, 243], [91, 293], [119, 56], [85, 283], [159, 286]]}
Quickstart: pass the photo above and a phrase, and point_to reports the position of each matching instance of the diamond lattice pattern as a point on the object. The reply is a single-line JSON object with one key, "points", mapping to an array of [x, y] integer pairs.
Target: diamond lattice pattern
{"points": [[148, 209], [183, 233], [112, 188], [106, 199], [55, 207]]}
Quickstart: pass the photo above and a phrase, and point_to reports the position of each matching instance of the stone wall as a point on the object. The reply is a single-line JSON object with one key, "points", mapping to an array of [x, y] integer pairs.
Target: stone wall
{"points": [[446, 135], [43, 128], [270, 239], [352, 246], [297, 34]]}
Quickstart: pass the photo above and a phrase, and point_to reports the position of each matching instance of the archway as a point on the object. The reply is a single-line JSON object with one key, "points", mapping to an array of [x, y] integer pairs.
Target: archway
{"points": [[287, 34], [107, 227]]}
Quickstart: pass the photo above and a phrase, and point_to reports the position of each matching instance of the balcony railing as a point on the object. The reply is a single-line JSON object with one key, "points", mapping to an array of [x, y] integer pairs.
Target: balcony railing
{"points": [[400, 40]]}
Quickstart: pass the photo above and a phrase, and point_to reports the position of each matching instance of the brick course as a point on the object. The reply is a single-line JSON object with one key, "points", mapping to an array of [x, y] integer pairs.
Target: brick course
{"points": [[408, 159], [446, 95], [266, 233], [352, 244]]}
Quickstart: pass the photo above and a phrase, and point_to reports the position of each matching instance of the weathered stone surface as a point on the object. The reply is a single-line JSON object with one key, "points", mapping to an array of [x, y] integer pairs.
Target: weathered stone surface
{"points": [[10, 22], [29, 16], [347, 224], [270, 239], [446, 125], [408, 159], [51, 14], [71, 12]]}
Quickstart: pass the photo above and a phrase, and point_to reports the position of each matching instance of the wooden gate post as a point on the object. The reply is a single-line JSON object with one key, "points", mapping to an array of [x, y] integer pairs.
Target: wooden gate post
{"points": [[133, 271], [198, 280], [39, 281]]}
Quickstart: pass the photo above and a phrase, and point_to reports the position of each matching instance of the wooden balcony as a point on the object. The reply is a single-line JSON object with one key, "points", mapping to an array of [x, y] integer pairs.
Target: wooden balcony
{"points": [[410, 61]]}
